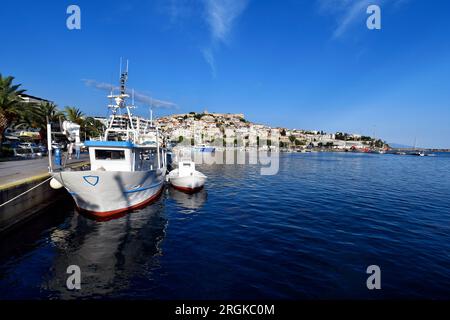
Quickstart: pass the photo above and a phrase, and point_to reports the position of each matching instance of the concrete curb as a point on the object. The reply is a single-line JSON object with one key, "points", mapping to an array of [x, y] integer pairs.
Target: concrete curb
{"points": [[31, 203]]}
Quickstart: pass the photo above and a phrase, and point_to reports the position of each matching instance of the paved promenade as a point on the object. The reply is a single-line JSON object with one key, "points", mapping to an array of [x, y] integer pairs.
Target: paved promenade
{"points": [[16, 171]]}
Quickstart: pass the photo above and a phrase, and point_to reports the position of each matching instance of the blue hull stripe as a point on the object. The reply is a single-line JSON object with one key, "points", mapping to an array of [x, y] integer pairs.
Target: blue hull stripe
{"points": [[143, 188], [130, 191]]}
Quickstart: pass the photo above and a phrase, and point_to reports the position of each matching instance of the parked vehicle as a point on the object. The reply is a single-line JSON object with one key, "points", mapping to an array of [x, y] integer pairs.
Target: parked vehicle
{"points": [[42, 148], [24, 153], [27, 145]]}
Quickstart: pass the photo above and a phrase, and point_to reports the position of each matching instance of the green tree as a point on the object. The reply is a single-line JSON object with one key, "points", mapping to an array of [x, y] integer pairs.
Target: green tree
{"points": [[74, 114], [198, 116], [291, 139], [340, 136], [92, 127], [11, 105], [36, 116], [379, 143]]}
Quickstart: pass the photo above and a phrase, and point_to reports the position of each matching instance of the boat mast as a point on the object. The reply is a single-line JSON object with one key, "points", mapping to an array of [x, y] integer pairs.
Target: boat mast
{"points": [[119, 100], [157, 149], [151, 116]]}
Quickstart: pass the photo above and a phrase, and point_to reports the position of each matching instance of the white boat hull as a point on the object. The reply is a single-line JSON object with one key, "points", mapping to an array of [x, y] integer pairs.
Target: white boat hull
{"points": [[106, 193], [189, 183]]}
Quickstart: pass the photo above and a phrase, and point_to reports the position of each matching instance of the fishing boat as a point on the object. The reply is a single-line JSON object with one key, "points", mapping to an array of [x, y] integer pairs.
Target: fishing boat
{"points": [[186, 178], [127, 164]]}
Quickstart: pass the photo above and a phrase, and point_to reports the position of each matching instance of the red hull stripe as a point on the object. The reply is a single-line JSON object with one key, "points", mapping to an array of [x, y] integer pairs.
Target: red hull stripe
{"points": [[105, 214], [185, 189]]}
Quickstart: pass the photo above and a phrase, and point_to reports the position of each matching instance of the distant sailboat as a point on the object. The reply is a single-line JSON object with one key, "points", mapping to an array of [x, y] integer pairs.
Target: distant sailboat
{"points": [[375, 149], [417, 152]]}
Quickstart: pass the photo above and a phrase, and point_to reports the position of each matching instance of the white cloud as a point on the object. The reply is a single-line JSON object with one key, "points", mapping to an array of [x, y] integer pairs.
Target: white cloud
{"points": [[209, 58], [221, 15], [180, 9], [138, 96], [350, 12], [355, 11], [347, 13]]}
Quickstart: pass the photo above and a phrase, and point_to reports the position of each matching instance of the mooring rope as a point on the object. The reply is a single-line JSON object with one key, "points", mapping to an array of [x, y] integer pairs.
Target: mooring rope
{"points": [[18, 196]]}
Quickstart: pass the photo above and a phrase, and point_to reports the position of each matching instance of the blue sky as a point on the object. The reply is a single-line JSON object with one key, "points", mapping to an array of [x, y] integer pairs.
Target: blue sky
{"points": [[299, 64]]}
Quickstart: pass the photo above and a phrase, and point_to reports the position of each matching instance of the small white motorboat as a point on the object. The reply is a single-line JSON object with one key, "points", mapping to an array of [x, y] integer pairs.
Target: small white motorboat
{"points": [[186, 178]]}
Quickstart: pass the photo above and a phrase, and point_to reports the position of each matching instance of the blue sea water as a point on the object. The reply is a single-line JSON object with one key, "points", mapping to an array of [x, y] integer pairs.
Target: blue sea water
{"points": [[308, 232]]}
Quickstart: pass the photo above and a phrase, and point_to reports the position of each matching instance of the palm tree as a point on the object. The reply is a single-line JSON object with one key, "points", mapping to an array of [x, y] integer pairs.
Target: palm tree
{"points": [[36, 116], [92, 127], [74, 114], [89, 127], [10, 103]]}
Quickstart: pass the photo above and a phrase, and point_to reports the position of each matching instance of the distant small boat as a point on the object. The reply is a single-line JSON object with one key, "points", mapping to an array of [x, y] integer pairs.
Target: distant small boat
{"points": [[186, 178], [419, 154], [204, 148], [378, 151]]}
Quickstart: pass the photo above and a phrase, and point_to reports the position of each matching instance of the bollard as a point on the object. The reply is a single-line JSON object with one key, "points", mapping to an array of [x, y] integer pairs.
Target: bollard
{"points": [[57, 157]]}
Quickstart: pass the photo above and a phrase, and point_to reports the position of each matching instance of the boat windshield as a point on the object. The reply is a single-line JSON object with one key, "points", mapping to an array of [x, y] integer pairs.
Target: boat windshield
{"points": [[109, 154], [146, 159]]}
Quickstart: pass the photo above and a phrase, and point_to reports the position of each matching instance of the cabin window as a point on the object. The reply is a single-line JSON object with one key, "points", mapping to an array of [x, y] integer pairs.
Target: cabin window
{"points": [[109, 154], [146, 160]]}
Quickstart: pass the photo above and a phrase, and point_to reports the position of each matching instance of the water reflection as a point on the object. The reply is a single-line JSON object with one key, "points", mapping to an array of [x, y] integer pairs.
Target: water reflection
{"points": [[308, 232], [192, 201], [110, 254]]}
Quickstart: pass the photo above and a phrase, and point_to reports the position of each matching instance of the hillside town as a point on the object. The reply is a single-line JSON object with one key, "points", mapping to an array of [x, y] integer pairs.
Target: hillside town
{"points": [[23, 121], [235, 130]]}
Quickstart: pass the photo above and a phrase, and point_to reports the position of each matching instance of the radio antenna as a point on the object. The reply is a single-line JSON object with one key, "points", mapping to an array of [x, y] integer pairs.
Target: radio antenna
{"points": [[120, 67]]}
